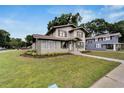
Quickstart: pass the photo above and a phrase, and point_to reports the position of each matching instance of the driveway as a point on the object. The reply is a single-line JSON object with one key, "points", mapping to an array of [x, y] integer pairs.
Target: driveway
{"points": [[114, 79]]}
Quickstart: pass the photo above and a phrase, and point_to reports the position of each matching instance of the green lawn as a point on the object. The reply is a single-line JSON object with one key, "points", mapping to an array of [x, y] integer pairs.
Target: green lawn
{"points": [[110, 54], [65, 71]]}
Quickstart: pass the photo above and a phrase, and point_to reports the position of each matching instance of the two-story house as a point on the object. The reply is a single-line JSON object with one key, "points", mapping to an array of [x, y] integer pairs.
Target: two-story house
{"points": [[63, 38], [104, 42]]}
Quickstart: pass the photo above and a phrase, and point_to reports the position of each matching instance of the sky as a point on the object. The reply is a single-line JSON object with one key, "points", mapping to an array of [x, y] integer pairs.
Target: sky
{"points": [[20, 21]]}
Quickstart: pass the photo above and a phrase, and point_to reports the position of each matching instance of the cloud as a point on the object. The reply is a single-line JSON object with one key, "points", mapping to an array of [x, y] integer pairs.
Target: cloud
{"points": [[115, 16], [112, 8], [86, 14], [19, 28], [57, 11], [113, 13]]}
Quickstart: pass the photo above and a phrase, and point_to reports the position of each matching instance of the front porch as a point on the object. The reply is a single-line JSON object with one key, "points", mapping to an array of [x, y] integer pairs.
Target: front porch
{"points": [[76, 44], [114, 47]]}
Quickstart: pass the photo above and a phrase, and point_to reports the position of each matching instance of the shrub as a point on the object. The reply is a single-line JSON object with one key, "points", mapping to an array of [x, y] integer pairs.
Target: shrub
{"points": [[34, 54], [86, 51]]}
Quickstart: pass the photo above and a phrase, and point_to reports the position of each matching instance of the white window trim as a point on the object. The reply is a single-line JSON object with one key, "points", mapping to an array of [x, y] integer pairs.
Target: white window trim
{"points": [[98, 45], [96, 39]]}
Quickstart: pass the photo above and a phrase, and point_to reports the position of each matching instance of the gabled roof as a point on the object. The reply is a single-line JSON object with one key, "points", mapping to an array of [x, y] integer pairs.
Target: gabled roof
{"points": [[44, 37], [68, 25], [60, 26], [105, 35], [79, 28]]}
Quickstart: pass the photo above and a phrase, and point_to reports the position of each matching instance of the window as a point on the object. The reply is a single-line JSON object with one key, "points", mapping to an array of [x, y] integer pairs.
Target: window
{"points": [[44, 44], [58, 32], [79, 34], [111, 37], [104, 38], [65, 34], [100, 39], [64, 44], [98, 45], [107, 38], [62, 33], [80, 44], [50, 44], [92, 40], [96, 40]]}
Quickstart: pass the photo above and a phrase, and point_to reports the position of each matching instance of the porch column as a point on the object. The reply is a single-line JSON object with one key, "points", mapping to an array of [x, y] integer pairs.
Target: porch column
{"points": [[114, 47]]}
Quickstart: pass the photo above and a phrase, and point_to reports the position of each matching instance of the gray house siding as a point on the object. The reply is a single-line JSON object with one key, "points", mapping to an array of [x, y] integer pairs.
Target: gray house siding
{"points": [[91, 43], [49, 46]]}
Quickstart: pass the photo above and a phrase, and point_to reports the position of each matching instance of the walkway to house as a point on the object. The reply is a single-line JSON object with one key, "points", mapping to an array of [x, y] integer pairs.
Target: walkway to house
{"points": [[114, 79], [104, 58]]}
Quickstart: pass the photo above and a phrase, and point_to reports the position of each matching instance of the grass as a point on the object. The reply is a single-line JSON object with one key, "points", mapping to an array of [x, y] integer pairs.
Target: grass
{"points": [[65, 71], [110, 54]]}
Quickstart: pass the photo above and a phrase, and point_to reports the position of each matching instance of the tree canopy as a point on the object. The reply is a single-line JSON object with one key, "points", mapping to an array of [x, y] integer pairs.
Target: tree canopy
{"points": [[120, 28], [97, 26], [7, 42], [29, 40], [16, 43], [65, 19], [4, 37]]}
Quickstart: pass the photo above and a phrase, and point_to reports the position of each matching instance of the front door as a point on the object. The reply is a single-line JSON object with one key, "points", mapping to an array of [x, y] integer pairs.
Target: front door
{"points": [[71, 46]]}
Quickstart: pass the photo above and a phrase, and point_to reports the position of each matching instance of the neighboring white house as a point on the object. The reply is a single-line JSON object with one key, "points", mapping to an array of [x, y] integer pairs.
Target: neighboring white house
{"points": [[63, 38]]}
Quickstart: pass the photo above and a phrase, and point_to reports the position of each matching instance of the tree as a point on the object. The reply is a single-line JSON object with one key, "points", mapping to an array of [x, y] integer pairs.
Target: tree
{"points": [[16, 43], [29, 40], [65, 19], [4, 38], [120, 28], [96, 27]]}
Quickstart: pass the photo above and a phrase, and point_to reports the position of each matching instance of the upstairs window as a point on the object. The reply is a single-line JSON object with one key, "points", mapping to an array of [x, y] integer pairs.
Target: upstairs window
{"points": [[96, 39], [62, 33], [79, 34], [111, 37], [100, 39], [90, 41], [107, 38]]}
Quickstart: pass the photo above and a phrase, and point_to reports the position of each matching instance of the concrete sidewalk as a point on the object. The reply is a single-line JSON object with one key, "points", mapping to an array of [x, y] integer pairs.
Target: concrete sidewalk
{"points": [[99, 57], [2, 51], [114, 79]]}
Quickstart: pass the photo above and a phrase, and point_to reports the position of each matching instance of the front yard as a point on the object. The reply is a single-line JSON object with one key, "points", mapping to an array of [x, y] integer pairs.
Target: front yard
{"points": [[65, 71], [110, 54]]}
